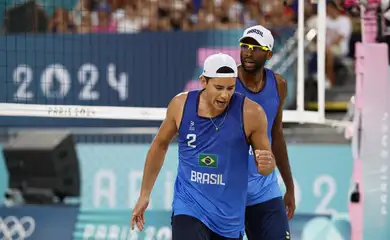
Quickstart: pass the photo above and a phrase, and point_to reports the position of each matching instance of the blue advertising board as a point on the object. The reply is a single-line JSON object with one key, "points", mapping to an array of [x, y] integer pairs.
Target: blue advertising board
{"points": [[112, 173], [38, 222], [66, 222], [102, 225], [139, 70], [111, 180]]}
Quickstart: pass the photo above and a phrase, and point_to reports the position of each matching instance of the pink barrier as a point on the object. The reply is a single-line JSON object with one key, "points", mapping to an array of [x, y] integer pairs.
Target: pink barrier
{"points": [[192, 85], [203, 53], [364, 54], [356, 209], [372, 70]]}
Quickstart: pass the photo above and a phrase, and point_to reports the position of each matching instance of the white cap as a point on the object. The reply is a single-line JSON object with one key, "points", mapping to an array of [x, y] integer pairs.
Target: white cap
{"points": [[216, 61], [261, 35]]}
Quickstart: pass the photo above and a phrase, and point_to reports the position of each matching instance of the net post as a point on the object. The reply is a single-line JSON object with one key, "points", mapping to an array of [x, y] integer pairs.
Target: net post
{"points": [[369, 216], [301, 57], [321, 48]]}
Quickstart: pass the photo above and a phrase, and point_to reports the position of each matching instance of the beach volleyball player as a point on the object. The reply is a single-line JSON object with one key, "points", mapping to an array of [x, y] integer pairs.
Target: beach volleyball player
{"points": [[266, 216], [215, 128]]}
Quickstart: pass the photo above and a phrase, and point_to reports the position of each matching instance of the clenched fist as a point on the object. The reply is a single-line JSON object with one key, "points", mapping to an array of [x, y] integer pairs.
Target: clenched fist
{"points": [[265, 161]]}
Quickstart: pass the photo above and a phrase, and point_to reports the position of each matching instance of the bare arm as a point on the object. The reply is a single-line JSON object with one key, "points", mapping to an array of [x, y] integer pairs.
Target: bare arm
{"points": [[255, 123], [158, 149], [278, 143]]}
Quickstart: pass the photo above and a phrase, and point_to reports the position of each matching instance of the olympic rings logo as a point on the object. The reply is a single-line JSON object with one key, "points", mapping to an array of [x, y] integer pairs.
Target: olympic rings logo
{"points": [[11, 228]]}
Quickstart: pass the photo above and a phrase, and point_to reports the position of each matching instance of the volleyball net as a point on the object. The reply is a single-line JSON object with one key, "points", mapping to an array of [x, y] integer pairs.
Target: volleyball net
{"points": [[74, 76]]}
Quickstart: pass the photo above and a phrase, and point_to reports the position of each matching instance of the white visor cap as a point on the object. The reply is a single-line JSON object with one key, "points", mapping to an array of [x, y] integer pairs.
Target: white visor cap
{"points": [[216, 61]]}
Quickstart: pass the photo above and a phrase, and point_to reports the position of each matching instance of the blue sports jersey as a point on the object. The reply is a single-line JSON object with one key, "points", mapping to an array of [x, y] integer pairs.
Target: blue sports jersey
{"points": [[260, 188], [211, 183]]}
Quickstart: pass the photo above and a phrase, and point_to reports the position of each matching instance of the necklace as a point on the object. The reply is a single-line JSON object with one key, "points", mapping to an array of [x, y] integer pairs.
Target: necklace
{"points": [[223, 120]]}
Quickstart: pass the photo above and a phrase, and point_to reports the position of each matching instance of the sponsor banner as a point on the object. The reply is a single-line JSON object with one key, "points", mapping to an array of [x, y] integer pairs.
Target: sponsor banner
{"points": [[112, 173], [114, 224]]}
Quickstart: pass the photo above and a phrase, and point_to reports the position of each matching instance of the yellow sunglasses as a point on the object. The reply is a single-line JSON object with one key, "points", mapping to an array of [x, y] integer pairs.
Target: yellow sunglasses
{"points": [[252, 47]]}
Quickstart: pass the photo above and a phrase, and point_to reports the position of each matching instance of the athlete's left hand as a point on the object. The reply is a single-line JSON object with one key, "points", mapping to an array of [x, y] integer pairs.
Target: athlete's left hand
{"points": [[265, 162], [289, 203]]}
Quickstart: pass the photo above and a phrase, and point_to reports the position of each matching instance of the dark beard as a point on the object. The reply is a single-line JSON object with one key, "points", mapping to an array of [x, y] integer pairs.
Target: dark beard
{"points": [[258, 66]]}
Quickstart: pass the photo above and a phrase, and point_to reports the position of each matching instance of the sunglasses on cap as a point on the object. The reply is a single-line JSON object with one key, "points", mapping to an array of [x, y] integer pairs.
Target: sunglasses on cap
{"points": [[246, 46]]}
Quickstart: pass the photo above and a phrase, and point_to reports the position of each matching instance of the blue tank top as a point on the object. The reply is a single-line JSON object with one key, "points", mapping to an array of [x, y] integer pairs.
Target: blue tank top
{"points": [[211, 183], [260, 188]]}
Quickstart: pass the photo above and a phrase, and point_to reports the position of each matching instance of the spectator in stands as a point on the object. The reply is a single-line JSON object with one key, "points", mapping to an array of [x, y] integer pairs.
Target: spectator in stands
{"points": [[276, 13], [148, 11], [252, 15], [356, 33], [206, 15], [179, 17], [292, 6], [86, 24], [164, 8], [153, 24], [201, 21], [234, 10], [60, 22], [150, 16], [84, 8], [117, 7], [222, 20], [339, 29], [164, 24], [105, 23], [131, 22]]}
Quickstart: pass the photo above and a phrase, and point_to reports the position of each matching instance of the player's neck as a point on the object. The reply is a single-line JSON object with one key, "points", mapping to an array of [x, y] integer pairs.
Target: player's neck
{"points": [[252, 81], [214, 112]]}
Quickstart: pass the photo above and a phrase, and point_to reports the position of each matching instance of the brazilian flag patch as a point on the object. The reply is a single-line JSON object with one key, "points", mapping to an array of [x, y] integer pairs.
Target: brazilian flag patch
{"points": [[208, 160]]}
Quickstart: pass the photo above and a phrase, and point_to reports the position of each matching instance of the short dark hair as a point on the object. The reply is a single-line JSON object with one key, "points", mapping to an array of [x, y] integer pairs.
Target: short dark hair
{"points": [[224, 69]]}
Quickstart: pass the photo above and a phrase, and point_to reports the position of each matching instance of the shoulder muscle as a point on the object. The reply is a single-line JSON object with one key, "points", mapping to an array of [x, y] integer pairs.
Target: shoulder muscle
{"points": [[169, 126], [176, 107], [282, 87]]}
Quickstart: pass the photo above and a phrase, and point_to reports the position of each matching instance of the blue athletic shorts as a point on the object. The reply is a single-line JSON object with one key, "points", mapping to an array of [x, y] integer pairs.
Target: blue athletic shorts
{"points": [[185, 227], [267, 221]]}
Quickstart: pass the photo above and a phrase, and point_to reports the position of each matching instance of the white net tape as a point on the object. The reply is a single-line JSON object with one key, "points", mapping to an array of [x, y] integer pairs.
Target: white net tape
{"points": [[136, 113]]}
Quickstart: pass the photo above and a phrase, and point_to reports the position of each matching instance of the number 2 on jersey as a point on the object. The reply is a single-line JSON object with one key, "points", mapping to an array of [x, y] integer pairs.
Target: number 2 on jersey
{"points": [[191, 140]]}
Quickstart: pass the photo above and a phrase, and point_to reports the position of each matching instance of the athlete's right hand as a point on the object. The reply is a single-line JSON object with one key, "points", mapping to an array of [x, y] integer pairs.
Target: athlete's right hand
{"points": [[265, 162], [138, 215]]}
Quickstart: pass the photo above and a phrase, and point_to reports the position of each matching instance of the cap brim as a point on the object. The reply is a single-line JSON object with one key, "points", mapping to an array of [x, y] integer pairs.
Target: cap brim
{"points": [[221, 75]]}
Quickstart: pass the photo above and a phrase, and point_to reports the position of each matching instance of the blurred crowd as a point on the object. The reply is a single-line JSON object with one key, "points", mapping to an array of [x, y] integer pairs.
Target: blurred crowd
{"points": [[132, 16]]}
